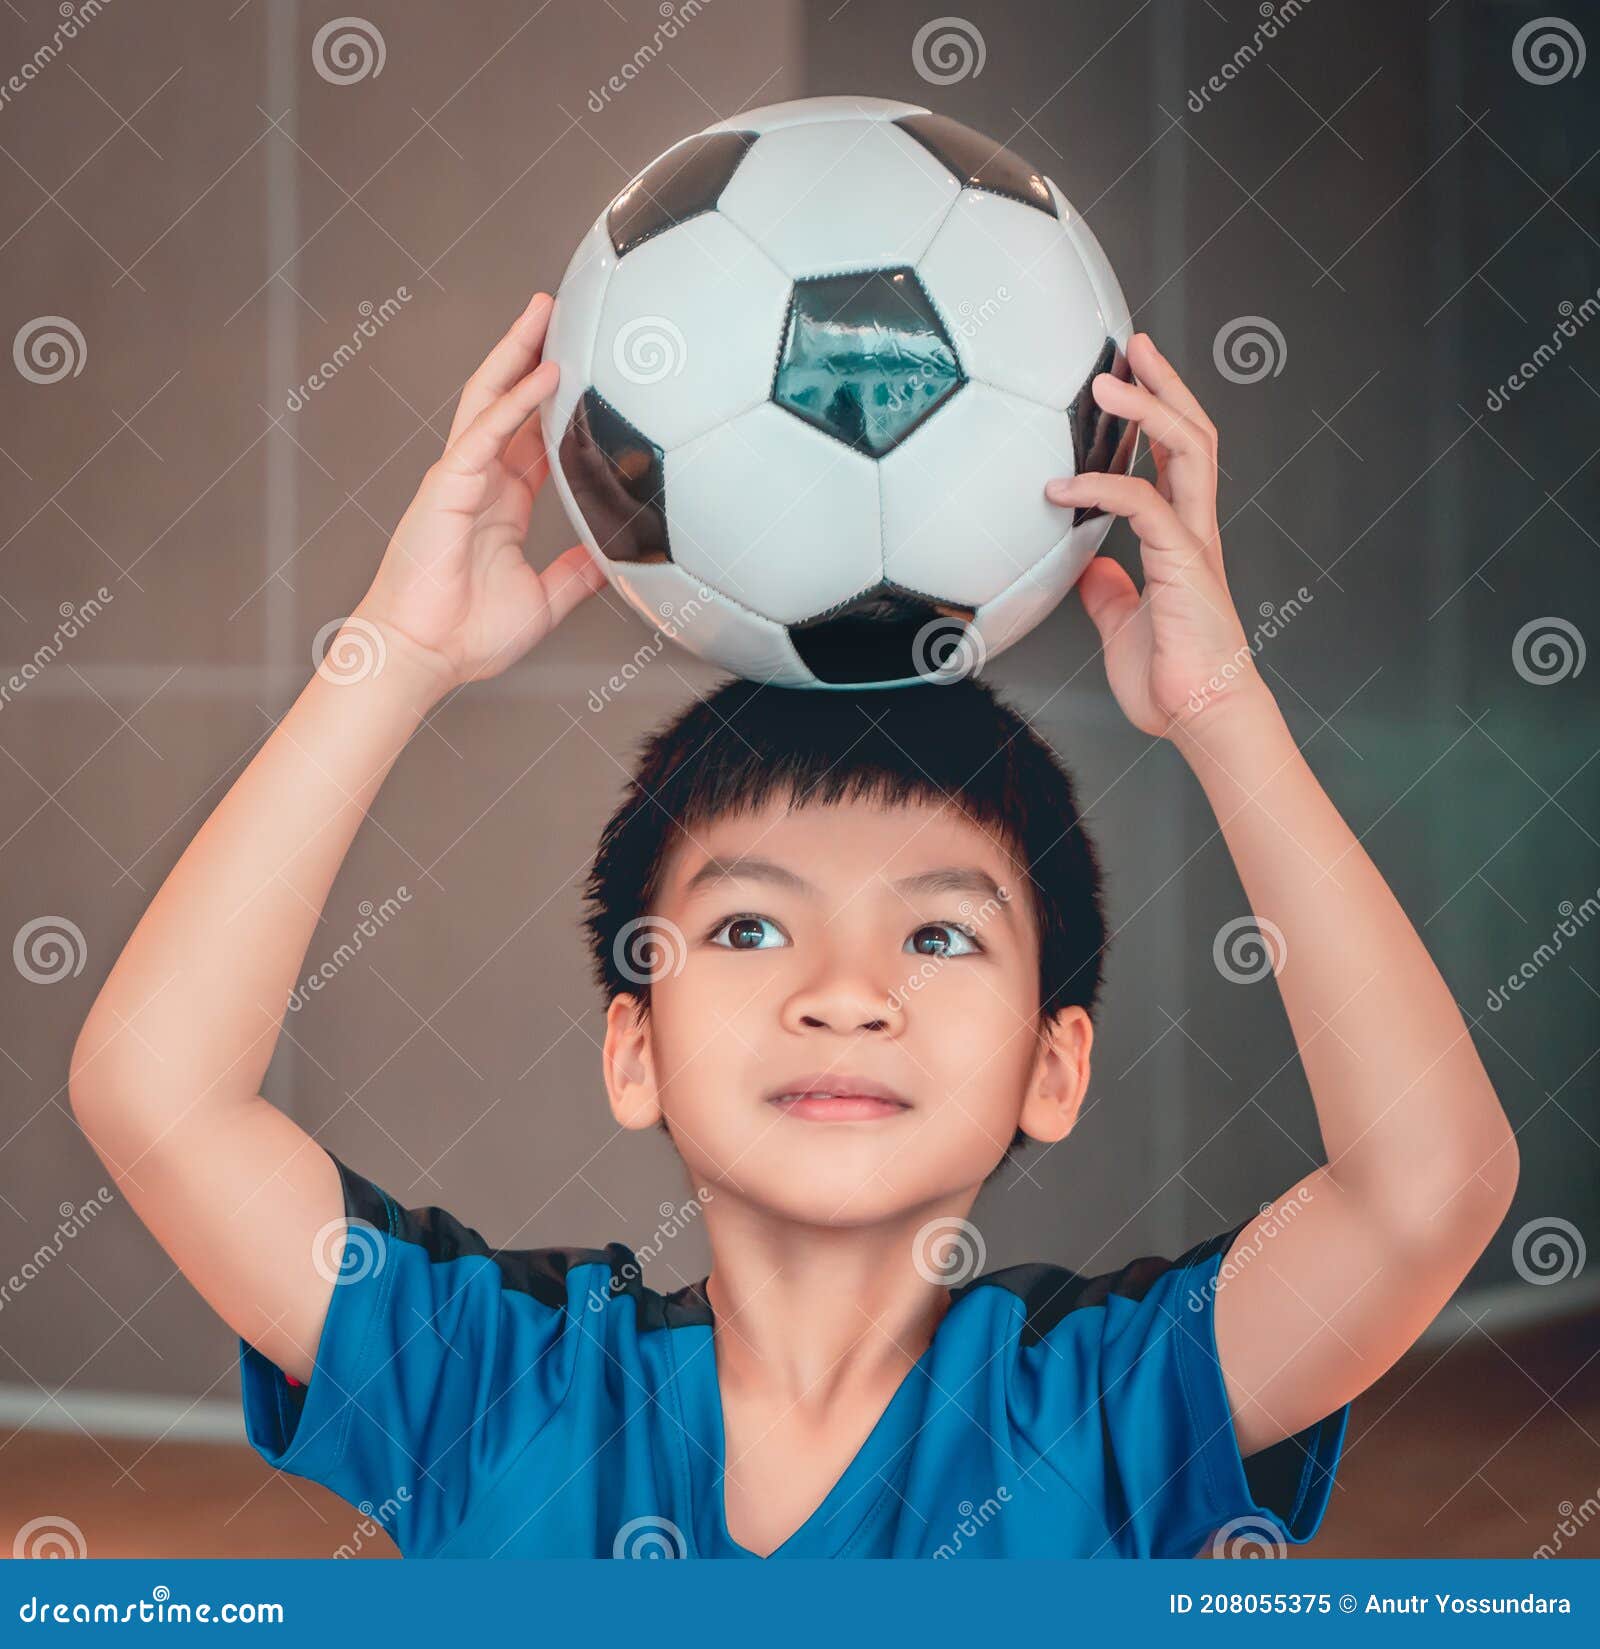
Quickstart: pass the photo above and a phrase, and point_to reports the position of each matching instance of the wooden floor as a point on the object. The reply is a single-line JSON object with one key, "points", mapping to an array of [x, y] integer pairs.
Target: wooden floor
{"points": [[1472, 1452]]}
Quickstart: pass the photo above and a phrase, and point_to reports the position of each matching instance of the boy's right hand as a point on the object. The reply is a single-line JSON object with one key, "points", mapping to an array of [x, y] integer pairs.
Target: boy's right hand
{"points": [[454, 580]]}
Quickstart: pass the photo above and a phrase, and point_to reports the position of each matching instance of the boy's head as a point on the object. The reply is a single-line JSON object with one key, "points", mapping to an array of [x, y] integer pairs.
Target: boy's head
{"points": [[728, 986]]}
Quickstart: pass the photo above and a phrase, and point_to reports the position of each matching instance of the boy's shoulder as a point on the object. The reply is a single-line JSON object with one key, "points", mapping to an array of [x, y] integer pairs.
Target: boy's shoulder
{"points": [[1050, 1292], [544, 1273]]}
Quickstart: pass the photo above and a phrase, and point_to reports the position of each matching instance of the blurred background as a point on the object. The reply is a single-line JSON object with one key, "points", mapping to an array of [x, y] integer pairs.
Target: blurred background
{"points": [[202, 206]]}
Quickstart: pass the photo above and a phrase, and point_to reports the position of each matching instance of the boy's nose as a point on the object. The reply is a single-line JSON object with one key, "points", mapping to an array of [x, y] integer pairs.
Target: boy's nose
{"points": [[842, 1005]]}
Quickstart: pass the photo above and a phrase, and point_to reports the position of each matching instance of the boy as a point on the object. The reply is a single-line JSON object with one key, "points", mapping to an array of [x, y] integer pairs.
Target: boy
{"points": [[919, 905]]}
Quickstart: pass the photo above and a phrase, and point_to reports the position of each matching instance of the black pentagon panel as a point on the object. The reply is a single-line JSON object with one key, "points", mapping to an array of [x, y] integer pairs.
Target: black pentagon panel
{"points": [[979, 161], [864, 358], [1100, 441], [882, 635], [679, 185], [616, 477]]}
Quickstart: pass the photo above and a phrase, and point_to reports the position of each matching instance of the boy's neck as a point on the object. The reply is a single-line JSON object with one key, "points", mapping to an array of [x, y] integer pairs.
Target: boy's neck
{"points": [[803, 1311]]}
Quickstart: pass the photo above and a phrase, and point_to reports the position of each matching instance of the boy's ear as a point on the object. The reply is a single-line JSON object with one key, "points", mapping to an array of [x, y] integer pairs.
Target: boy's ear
{"points": [[629, 1064], [1060, 1076]]}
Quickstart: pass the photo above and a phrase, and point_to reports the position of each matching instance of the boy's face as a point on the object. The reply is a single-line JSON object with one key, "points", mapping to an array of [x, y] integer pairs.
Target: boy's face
{"points": [[838, 956]]}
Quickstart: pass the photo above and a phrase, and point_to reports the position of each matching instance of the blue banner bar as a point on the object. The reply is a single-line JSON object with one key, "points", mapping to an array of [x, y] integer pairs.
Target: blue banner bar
{"points": [[773, 1605]]}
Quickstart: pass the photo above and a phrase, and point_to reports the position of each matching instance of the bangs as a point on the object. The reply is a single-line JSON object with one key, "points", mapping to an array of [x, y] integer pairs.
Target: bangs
{"points": [[746, 745]]}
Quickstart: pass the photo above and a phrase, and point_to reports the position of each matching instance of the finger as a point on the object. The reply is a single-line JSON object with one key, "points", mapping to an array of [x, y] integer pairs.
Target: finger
{"points": [[509, 360], [1167, 547], [525, 455], [1185, 454], [485, 439], [570, 579], [1153, 369], [1109, 596]]}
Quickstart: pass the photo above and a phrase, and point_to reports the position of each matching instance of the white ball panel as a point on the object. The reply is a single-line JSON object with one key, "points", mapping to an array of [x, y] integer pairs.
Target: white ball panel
{"points": [[840, 195], [688, 335], [775, 514], [964, 511], [1015, 295], [709, 625], [1108, 291], [1040, 590], [807, 111]]}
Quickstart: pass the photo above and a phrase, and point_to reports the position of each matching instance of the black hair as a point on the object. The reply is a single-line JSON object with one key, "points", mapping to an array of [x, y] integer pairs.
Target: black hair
{"points": [[746, 743]]}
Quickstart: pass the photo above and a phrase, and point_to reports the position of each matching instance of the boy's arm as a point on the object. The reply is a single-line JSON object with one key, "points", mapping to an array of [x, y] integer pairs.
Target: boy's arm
{"points": [[1324, 1291], [166, 1069], [165, 1074]]}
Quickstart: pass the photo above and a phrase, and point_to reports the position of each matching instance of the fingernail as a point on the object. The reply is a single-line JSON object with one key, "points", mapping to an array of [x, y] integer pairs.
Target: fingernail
{"points": [[1060, 487]]}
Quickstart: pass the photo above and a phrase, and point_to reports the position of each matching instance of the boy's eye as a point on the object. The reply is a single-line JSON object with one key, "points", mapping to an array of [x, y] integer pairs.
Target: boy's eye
{"points": [[746, 933], [931, 940]]}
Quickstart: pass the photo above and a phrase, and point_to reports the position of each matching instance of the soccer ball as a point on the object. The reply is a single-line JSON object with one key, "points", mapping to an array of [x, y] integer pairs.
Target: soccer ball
{"points": [[817, 363]]}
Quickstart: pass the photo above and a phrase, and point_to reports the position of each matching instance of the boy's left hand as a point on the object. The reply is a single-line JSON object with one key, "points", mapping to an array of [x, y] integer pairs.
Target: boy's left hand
{"points": [[1175, 651]]}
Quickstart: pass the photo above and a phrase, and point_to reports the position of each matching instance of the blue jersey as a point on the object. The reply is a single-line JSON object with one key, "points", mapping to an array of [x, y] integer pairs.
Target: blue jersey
{"points": [[544, 1402]]}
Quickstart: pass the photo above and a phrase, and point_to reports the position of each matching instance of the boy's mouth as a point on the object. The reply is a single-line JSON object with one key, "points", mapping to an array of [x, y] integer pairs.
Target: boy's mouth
{"points": [[837, 1098]]}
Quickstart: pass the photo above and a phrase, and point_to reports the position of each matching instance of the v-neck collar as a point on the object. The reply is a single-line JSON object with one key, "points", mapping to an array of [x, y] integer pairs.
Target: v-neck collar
{"points": [[873, 1471]]}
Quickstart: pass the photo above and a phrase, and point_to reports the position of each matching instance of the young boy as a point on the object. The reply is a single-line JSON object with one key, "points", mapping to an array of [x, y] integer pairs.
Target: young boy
{"points": [[851, 944]]}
